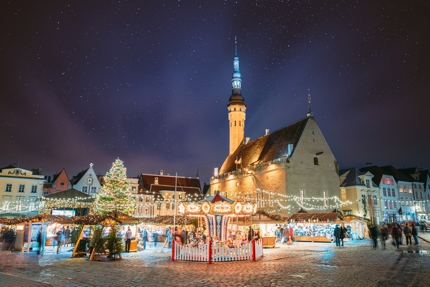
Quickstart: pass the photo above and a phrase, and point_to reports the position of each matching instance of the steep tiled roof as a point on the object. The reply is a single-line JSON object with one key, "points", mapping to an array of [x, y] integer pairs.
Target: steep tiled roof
{"points": [[376, 171], [424, 175], [410, 172], [148, 179], [68, 193], [78, 177], [351, 178], [398, 176], [191, 186], [265, 148]]}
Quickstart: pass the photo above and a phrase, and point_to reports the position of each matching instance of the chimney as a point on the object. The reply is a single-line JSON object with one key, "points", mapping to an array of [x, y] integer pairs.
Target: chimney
{"points": [[247, 140], [267, 132], [215, 171], [161, 172]]}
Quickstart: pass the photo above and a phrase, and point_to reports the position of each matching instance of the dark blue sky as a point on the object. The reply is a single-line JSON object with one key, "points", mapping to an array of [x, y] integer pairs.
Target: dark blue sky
{"points": [[149, 81]]}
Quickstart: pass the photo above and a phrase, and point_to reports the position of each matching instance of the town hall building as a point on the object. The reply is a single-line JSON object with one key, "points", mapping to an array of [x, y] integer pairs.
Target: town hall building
{"points": [[283, 171]]}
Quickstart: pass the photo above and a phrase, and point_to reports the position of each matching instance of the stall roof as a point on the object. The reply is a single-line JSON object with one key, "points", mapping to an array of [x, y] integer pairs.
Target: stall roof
{"points": [[88, 219], [262, 217], [168, 220], [321, 216], [70, 194]]}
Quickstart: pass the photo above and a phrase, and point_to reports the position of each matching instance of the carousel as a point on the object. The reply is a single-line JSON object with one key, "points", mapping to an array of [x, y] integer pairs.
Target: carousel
{"points": [[224, 240]]}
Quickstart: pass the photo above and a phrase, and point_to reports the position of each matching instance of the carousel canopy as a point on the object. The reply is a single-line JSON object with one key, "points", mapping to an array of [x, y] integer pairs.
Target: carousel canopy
{"points": [[321, 216], [216, 198]]}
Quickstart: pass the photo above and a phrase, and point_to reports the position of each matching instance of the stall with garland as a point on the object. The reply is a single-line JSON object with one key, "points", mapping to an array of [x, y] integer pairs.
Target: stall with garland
{"points": [[265, 224], [98, 235], [314, 226]]}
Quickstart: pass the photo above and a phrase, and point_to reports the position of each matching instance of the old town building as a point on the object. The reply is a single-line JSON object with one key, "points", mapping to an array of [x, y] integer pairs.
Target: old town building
{"points": [[283, 171]]}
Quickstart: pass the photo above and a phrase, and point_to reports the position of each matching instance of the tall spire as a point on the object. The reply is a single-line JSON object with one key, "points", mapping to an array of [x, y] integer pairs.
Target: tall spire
{"points": [[236, 106], [309, 114], [236, 81]]}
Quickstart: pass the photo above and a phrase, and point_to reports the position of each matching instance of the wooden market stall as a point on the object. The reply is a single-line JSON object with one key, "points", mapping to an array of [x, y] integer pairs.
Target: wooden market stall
{"points": [[267, 224], [314, 226], [27, 229], [106, 221]]}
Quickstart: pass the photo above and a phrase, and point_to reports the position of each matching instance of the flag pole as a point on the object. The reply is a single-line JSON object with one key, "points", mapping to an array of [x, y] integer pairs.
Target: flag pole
{"points": [[174, 214]]}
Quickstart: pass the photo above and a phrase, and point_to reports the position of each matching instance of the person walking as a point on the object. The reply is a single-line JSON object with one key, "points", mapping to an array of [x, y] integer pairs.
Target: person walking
{"points": [[343, 233], [169, 237], [39, 240], [60, 239], [384, 235], [336, 234], [414, 233], [154, 235], [67, 236], [286, 235], [128, 236], [395, 234], [374, 235], [251, 234], [408, 233], [290, 238], [144, 237]]}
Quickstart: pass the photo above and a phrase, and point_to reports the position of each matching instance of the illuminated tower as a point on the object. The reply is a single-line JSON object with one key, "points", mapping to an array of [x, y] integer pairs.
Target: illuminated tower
{"points": [[236, 106]]}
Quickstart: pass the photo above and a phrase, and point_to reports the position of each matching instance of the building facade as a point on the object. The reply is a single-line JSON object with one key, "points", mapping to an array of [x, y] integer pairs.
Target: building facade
{"points": [[289, 169], [19, 190], [59, 182], [86, 181], [160, 194]]}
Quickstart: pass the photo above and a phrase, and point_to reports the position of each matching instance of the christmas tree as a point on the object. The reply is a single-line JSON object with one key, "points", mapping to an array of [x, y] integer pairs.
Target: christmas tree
{"points": [[114, 195]]}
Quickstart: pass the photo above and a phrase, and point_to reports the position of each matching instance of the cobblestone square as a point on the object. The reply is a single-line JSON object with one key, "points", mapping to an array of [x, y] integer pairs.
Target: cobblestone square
{"points": [[300, 264]]}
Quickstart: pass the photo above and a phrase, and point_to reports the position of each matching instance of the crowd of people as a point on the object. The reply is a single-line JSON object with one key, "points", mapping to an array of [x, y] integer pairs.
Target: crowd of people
{"points": [[397, 231]]}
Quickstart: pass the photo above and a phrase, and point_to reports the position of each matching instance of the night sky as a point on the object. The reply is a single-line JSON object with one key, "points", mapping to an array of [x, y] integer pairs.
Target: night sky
{"points": [[149, 81]]}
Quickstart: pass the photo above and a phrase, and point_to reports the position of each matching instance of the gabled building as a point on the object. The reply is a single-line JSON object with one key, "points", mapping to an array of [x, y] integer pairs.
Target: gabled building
{"points": [[388, 193], [159, 194], [418, 190], [19, 189], [359, 188], [282, 171], [406, 196], [425, 179], [59, 182], [86, 181]]}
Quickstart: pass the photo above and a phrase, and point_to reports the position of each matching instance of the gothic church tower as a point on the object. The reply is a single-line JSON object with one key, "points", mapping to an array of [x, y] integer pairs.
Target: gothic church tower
{"points": [[236, 106]]}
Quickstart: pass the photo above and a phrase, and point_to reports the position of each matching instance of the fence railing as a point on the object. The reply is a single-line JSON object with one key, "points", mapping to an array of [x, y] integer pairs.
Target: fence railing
{"points": [[210, 252]]}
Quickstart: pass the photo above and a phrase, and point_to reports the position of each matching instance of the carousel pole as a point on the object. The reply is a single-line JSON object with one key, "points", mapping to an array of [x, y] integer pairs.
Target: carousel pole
{"points": [[174, 214]]}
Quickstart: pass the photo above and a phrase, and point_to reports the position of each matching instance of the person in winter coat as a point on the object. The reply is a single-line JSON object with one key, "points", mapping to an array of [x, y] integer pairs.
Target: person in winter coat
{"points": [[384, 233], [343, 233], [415, 233], [60, 239], [336, 234], [408, 233], [396, 234], [374, 235]]}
